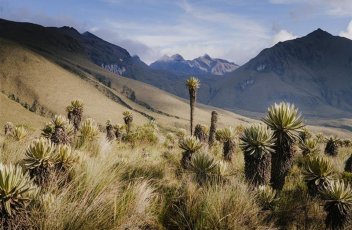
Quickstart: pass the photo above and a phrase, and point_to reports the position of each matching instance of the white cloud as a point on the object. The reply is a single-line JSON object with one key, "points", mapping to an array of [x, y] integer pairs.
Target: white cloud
{"points": [[196, 30], [282, 35], [338, 7], [348, 32]]}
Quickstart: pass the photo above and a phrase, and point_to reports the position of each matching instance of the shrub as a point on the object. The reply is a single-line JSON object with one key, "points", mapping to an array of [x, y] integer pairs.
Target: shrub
{"points": [[170, 141], [201, 133], [89, 131], [320, 137], [266, 197], [8, 128], [110, 135], [257, 145], [286, 123], [59, 130], [19, 132], [146, 134], [190, 145], [348, 164], [65, 158], [226, 136], [309, 146], [205, 169], [16, 193], [118, 128], [74, 113], [347, 143], [181, 133], [40, 160], [304, 135], [347, 177], [332, 146], [128, 118], [317, 173], [338, 204]]}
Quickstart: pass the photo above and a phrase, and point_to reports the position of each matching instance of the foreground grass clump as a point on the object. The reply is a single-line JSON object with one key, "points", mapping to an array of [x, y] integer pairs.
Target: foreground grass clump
{"points": [[230, 206], [146, 134]]}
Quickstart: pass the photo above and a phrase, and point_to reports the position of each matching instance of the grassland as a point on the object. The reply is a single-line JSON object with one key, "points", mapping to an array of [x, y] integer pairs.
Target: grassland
{"points": [[138, 183]]}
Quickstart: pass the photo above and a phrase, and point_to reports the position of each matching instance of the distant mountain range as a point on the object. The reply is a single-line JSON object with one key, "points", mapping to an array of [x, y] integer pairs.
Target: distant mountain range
{"points": [[314, 72], [204, 65]]}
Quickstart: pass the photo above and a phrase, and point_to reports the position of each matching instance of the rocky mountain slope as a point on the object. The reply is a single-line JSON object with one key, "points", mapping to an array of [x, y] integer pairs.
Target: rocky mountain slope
{"points": [[204, 65], [314, 72]]}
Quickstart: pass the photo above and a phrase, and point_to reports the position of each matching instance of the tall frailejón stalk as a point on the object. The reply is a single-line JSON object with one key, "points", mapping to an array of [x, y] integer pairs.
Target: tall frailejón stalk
{"points": [[192, 84], [286, 123]]}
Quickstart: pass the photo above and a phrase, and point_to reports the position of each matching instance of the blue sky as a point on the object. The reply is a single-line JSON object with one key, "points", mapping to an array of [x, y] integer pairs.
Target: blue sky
{"points": [[232, 29]]}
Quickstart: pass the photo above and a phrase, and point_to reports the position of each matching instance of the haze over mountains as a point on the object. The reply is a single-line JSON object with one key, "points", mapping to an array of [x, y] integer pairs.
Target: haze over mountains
{"points": [[204, 65], [314, 71]]}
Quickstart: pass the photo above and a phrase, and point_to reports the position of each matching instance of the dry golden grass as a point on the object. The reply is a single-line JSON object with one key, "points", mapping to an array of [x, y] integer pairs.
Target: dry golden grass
{"points": [[17, 114], [139, 184], [32, 77]]}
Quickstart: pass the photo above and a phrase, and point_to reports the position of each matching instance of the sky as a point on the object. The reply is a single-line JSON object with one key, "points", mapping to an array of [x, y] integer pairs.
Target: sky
{"points": [[236, 30]]}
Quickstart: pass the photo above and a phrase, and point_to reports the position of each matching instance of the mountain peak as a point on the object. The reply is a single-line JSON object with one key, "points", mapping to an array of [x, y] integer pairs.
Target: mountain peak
{"points": [[206, 56], [319, 33], [177, 57], [68, 29]]}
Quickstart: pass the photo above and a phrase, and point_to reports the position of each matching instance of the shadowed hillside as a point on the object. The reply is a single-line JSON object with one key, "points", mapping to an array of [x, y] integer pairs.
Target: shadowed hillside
{"points": [[314, 72]]}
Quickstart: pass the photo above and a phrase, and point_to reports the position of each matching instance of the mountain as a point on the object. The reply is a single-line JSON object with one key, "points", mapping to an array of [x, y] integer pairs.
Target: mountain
{"points": [[313, 72], [204, 65], [43, 68]]}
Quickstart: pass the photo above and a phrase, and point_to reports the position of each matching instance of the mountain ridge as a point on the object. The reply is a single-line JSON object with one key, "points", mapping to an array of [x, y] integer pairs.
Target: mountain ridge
{"points": [[203, 65], [314, 72]]}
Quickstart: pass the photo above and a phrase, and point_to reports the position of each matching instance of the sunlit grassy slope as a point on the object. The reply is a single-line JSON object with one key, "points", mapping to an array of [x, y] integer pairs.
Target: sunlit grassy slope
{"points": [[32, 77], [14, 112]]}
